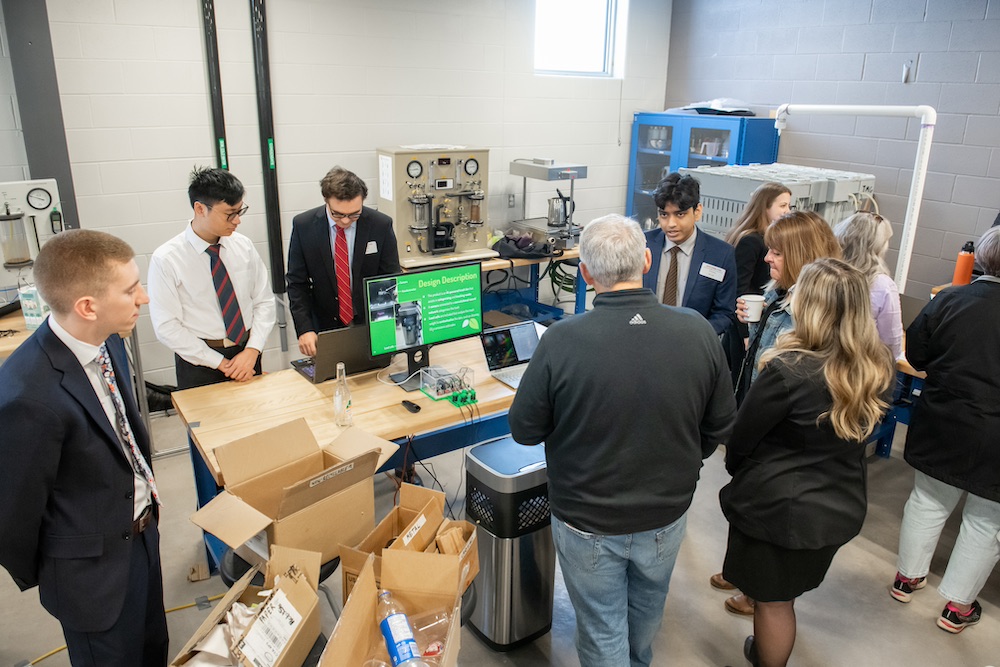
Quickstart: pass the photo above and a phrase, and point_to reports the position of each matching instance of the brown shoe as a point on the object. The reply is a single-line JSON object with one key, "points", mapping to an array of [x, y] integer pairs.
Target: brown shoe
{"points": [[740, 604], [718, 582]]}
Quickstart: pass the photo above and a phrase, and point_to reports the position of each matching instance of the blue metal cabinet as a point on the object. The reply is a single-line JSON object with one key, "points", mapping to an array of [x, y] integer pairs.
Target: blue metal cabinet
{"points": [[665, 142]]}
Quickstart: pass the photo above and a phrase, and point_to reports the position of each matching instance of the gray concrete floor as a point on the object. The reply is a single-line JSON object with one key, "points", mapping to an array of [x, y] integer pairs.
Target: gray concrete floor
{"points": [[849, 621]]}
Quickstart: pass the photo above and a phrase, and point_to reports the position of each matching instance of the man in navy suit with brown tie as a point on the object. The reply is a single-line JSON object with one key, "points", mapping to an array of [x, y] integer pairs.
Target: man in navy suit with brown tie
{"points": [[333, 248], [78, 501]]}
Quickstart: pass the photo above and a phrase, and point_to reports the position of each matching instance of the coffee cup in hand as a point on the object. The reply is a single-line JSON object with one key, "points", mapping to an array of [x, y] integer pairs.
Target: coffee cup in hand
{"points": [[754, 304]]}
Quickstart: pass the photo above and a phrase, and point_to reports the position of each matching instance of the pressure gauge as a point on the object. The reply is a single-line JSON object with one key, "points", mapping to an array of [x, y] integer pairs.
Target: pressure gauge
{"points": [[414, 169], [39, 198], [471, 166]]}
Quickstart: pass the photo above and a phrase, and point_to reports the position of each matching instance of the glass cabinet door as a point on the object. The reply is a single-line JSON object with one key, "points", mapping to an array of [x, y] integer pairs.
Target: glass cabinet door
{"points": [[654, 147]]}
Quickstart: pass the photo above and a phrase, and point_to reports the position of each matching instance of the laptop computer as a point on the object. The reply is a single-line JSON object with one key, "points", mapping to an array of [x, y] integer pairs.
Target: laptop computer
{"points": [[508, 350], [349, 345]]}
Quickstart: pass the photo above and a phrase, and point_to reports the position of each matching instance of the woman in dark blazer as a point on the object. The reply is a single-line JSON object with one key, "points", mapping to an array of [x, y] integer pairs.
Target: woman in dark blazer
{"points": [[952, 441], [797, 451]]}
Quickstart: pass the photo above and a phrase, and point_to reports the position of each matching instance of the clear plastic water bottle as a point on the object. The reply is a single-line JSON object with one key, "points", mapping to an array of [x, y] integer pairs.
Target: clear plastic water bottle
{"points": [[342, 398], [397, 632]]}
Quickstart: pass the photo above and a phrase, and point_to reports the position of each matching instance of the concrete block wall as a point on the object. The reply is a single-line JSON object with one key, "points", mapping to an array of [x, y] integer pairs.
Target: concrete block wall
{"points": [[852, 52], [347, 76]]}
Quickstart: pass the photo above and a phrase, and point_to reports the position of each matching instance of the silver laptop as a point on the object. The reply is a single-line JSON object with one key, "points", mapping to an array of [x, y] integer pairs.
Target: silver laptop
{"points": [[349, 345], [508, 350]]}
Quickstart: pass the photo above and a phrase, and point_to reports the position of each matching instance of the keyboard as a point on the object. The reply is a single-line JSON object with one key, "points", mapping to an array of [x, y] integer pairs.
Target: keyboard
{"points": [[510, 376]]}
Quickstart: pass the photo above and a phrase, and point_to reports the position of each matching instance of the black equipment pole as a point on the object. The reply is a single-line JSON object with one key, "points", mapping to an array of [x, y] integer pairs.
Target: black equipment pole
{"points": [[215, 83], [266, 122]]}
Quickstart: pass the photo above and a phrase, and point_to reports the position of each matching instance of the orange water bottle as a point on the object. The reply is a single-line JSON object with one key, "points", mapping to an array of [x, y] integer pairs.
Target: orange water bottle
{"points": [[963, 266]]}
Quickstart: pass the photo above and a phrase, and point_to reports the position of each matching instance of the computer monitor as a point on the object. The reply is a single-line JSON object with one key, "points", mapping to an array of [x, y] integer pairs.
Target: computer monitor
{"points": [[409, 312]]}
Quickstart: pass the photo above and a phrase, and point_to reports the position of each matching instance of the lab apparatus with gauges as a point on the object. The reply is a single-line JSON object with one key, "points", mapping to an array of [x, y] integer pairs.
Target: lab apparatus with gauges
{"points": [[436, 195]]}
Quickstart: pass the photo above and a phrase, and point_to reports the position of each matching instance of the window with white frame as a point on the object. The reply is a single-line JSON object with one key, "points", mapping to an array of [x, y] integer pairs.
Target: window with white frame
{"points": [[580, 37]]}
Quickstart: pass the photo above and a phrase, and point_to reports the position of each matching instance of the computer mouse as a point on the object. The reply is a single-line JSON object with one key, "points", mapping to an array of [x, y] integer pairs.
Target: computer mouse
{"points": [[411, 406]]}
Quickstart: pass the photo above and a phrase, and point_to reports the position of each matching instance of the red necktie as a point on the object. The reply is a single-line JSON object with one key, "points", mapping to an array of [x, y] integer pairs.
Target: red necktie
{"points": [[342, 264]]}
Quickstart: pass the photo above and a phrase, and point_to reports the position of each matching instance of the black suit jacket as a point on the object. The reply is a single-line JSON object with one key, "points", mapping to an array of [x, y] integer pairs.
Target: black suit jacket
{"points": [[312, 279], [65, 483]]}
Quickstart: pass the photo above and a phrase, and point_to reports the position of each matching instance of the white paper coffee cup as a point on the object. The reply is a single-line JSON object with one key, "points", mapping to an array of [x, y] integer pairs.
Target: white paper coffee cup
{"points": [[755, 306]]}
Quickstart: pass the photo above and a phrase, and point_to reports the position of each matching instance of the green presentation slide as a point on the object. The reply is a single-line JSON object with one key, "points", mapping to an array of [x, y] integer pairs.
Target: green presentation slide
{"points": [[430, 307]]}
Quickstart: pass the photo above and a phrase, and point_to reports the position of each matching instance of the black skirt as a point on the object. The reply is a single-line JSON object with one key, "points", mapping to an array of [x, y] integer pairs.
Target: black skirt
{"points": [[770, 573]]}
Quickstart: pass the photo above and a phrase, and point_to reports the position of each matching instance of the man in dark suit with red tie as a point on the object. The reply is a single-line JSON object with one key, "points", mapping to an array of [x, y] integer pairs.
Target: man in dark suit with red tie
{"points": [[333, 248], [78, 501]]}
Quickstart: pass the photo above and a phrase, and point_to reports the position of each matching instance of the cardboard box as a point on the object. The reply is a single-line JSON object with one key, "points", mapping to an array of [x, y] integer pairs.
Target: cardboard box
{"points": [[411, 527], [293, 601], [422, 582], [283, 488]]}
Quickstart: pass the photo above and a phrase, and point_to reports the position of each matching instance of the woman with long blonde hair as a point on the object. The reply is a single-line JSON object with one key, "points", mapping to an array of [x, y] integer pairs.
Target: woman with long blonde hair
{"points": [[864, 240], [797, 453]]}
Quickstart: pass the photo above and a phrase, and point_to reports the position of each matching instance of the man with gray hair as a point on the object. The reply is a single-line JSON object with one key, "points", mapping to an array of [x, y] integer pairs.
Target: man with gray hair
{"points": [[629, 398]]}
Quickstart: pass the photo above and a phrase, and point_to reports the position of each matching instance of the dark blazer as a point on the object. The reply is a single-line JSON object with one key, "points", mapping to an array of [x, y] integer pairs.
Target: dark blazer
{"points": [[952, 435], [752, 272], [715, 300], [795, 484], [66, 485], [312, 279]]}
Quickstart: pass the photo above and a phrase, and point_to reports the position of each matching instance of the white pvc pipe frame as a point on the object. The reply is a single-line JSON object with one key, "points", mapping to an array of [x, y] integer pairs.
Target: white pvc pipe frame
{"points": [[928, 119]]}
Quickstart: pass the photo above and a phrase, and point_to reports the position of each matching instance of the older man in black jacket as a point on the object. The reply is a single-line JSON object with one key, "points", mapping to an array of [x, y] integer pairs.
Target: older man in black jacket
{"points": [[629, 399]]}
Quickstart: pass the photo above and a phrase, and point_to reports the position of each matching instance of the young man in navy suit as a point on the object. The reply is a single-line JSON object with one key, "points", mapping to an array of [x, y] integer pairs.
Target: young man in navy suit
{"points": [[701, 273], [333, 248], [78, 502]]}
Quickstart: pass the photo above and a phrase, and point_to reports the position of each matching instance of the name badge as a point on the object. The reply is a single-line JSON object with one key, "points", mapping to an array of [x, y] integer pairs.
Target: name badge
{"points": [[716, 273], [371, 248]]}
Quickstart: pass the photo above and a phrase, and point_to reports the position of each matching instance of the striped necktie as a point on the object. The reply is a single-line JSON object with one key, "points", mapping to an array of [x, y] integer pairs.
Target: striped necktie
{"points": [[670, 284], [124, 428], [232, 318], [342, 265]]}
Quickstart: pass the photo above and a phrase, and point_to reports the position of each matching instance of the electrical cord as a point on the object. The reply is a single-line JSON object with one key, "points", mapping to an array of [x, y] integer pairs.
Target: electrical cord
{"points": [[54, 651]]}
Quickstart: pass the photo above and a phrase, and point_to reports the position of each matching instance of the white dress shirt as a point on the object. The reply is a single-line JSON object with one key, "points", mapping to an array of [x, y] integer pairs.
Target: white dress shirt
{"points": [[182, 303], [683, 266], [86, 354]]}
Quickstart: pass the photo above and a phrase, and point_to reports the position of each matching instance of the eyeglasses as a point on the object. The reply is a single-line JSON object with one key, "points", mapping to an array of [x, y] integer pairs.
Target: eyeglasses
{"points": [[353, 217], [235, 214]]}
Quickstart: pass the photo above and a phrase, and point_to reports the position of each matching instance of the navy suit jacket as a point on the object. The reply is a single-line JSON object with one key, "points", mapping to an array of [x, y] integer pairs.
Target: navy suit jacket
{"points": [[312, 279], [715, 300], [66, 485]]}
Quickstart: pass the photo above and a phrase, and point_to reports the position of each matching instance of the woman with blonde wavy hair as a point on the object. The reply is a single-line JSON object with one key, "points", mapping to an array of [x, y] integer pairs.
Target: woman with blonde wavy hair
{"points": [[797, 453]]}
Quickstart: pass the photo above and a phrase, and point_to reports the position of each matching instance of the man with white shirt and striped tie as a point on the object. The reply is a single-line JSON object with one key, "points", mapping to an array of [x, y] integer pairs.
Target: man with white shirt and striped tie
{"points": [[78, 501], [210, 299]]}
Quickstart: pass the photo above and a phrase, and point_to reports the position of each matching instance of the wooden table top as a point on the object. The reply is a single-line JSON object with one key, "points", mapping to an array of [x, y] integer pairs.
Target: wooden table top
{"points": [[221, 413], [13, 321]]}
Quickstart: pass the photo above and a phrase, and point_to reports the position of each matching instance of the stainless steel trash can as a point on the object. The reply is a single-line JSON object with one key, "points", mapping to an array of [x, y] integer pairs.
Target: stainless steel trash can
{"points": [[508, 499]]}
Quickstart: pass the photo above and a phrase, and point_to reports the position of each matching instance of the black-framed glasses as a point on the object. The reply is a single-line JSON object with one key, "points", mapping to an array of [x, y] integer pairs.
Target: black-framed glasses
{"points": [[353, 217], [235, 214]]}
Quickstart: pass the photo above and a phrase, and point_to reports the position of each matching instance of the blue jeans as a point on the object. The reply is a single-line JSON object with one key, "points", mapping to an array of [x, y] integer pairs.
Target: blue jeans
{"points": [[618, 586], [976, 550]]}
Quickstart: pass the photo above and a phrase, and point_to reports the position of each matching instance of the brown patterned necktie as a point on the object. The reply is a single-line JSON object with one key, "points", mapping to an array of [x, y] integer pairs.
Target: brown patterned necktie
{"points": [[670, 284]]}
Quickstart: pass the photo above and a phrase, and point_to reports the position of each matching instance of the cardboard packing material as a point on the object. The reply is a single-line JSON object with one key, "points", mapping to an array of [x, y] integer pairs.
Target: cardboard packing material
{"points": [[413, 526], [422, 582], [292, 601], [283, 488]]}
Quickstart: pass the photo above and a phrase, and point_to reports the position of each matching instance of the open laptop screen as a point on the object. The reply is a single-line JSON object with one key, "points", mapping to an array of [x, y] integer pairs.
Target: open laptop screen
{"points": [[509, 346]]}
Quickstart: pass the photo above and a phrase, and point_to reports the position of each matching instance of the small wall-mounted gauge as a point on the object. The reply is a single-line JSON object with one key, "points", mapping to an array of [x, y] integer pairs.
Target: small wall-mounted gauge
{"points": [[414, 169], [471, 166], [39, 199]]}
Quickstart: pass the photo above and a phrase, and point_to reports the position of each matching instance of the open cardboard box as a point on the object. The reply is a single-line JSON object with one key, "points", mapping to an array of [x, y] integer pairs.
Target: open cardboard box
{"points": [[292, 601], [283, 488], [411, 527], [420, 581]]}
